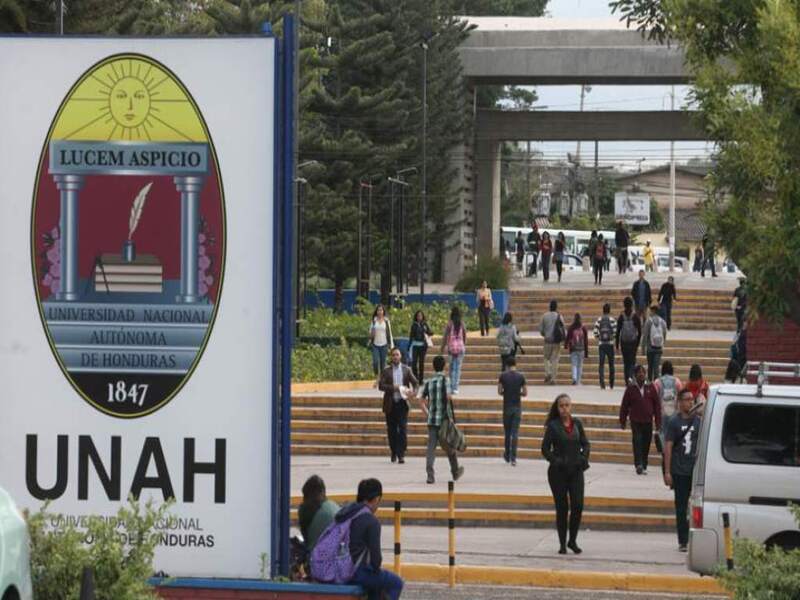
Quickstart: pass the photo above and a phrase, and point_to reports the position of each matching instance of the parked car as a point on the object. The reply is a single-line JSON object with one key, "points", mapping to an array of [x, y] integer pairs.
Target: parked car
{"points": [[15, 574], [748, 466], [663, 263]]}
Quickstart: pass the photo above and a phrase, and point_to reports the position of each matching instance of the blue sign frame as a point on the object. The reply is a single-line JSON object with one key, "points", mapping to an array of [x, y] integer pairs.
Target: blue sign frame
{"points": [[283, 280]]}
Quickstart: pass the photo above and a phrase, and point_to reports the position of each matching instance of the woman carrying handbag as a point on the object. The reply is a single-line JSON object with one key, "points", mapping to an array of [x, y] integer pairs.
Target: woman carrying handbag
{"points": [[420, 339]]}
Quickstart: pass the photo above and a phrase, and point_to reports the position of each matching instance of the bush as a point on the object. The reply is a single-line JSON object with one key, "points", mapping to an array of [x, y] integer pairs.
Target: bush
{"points": [[311, 362], [120, 554], [762, 573], [492, 270]]}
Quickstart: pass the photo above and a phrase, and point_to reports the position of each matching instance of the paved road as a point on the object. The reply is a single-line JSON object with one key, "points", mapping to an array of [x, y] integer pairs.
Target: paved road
{"points": [[427, 591], [483, 475]]}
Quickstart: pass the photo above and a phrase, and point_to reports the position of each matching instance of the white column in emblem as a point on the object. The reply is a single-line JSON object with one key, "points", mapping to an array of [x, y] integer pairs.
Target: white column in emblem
{"points": [[69, 187], [189, 187]]}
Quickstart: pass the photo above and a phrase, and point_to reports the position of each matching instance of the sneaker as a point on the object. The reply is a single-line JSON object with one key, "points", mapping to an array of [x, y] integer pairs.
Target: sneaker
{"points": [[682, 548], [459, 472], [430, 480], [513, 463], [401, 460], [505, 458], [638, 470], [602, 386], [455, 392], [644, 471]]}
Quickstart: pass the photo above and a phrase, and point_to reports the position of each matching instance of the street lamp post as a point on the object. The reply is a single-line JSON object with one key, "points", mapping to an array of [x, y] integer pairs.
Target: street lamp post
{"points": [[426, 38], [300, 297], [400, 226]]}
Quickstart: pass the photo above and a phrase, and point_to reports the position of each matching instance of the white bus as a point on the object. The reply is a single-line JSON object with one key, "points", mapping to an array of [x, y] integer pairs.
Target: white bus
{"points": [[577, 240]]}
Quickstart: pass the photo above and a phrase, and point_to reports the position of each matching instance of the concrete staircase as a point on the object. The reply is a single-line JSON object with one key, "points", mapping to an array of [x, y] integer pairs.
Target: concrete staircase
{"points": [[516, 510], [695, 309], [355, 425], [481, 364]]}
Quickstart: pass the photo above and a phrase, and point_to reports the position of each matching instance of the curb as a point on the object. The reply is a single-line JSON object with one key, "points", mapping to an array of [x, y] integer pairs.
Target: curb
{"points": [[331, 386], [593, 580]]}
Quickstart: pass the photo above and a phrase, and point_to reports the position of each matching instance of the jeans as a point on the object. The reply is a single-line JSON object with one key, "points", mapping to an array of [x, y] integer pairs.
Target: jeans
{"points": [[512, 416], [641, 436], [378, 582], [682, 486], [533, 266], [567, 489], [739, 319], [606, 352], [628, 358], [379, 358], [666, 308], [653, 364], [552, 351], [597, 269], [710, 263], [397, 428], [483, 317], [622, 260], [455, 370], [576, 358], [418, 361], [546, 266], [559, 268], [430, 454]]}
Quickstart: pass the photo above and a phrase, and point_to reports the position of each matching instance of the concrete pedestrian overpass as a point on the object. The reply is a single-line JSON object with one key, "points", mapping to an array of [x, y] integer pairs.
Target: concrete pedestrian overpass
{"points": [[543, 51]]}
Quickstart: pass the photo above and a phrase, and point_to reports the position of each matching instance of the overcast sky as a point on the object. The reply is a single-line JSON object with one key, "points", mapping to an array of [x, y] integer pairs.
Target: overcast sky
{"points": [[622, 154]]}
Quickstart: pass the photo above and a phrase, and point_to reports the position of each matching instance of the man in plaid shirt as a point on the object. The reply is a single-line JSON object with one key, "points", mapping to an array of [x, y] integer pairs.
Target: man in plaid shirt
{"points": [[437, 404]]}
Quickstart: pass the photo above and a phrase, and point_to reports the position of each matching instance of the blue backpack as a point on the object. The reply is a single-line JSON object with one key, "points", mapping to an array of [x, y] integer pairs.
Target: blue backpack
{"points": [[330, 559]]}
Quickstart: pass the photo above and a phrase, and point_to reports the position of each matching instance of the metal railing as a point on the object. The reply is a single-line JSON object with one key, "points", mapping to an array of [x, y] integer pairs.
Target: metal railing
{"points": [[762, 371]]}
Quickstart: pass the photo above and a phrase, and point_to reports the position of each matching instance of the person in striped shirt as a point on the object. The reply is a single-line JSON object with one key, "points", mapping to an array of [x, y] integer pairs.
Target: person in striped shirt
{"points": [[437, 404], [605, 331]]}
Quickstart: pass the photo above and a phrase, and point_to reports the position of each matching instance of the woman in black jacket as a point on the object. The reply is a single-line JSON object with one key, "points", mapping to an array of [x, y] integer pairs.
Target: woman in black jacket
{"points": [[418, 339], [567, 450]]}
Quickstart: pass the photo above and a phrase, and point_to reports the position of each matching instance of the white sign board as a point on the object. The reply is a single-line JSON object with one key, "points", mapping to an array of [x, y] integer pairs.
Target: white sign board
{"points": [[136, 309], [633, 209]]}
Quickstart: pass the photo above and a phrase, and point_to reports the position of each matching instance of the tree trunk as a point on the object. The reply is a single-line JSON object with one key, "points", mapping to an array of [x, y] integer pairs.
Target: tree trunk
{"points": [[338, 294]]}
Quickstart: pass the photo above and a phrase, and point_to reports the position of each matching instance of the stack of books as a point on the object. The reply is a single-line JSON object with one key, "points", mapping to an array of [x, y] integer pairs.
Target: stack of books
{"points": [[113, 274]]}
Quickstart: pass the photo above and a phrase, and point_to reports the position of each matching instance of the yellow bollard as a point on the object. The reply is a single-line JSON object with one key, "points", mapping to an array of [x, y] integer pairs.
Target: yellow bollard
{"points": [[451, 524], [726, 530], [397, 525]]}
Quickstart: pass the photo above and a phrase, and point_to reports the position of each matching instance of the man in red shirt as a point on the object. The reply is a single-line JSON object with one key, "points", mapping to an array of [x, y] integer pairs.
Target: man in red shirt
{"points": [[641, 405]]}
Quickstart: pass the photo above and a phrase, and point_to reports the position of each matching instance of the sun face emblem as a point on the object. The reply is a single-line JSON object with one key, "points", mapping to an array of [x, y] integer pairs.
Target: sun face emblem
{"points": [[129, 102]]}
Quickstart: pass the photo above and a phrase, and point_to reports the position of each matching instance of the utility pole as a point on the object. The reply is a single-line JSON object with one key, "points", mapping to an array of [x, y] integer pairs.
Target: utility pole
{"points": [[426, 38], [672, 193], [596, 177], [60, 17], [400, 226], [585, 89]]}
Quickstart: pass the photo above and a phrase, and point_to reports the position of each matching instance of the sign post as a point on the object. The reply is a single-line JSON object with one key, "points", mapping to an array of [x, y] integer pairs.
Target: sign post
{"points": [[147, 321]]}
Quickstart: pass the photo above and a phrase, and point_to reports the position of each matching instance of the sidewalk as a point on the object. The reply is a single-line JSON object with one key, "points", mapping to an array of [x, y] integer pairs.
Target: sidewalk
{"points": [[579, 280], [483, 475]]}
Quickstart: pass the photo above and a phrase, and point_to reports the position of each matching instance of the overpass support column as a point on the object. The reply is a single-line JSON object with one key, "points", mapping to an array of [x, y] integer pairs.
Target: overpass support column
{"points": [[487, 198]]}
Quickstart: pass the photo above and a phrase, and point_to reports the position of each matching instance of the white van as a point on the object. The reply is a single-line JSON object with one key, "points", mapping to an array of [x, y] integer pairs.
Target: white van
{"points": [[748, 465]]}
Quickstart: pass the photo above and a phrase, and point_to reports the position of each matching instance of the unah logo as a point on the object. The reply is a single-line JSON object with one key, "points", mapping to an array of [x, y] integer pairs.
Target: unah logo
{"points": [[128, 235]]}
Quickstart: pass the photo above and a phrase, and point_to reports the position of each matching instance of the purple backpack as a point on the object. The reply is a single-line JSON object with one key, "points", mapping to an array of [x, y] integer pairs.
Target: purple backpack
{"points": [[330, 559]]}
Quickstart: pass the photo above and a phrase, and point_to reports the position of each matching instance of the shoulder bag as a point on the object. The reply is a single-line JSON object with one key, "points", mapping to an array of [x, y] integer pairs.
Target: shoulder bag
{"points": [[451, 438]]}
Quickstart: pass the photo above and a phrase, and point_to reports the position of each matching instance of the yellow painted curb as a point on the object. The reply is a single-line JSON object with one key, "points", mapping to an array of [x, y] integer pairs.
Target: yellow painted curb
{"points": [[593, 580], [331, 386]]}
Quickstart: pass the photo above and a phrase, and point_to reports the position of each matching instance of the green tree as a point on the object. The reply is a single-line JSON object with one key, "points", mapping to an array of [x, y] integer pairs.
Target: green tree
{"points": [[12, 17], [511, 8], [749, 108]]}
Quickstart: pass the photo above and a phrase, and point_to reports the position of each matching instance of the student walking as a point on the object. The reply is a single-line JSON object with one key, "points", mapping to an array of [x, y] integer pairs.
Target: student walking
{"points": [[621, 241], [708, 256], [598, 258], [395, 406], [519, 246], [640, 405], [315, 512], [455, 340], [559, 249], [605, 332], [654, 336], [380, 338], [438, 406], [697, 385], [365, 543], [553, 331], [667, 387], [577, 343], [641, 294], [666, 296], [512, 387], [485, 303], [628, 335], [420, 338], [508, 341], [680, 452], [649, 257], [547, 252], [566, 448], [608, 255], [534, 239]]}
